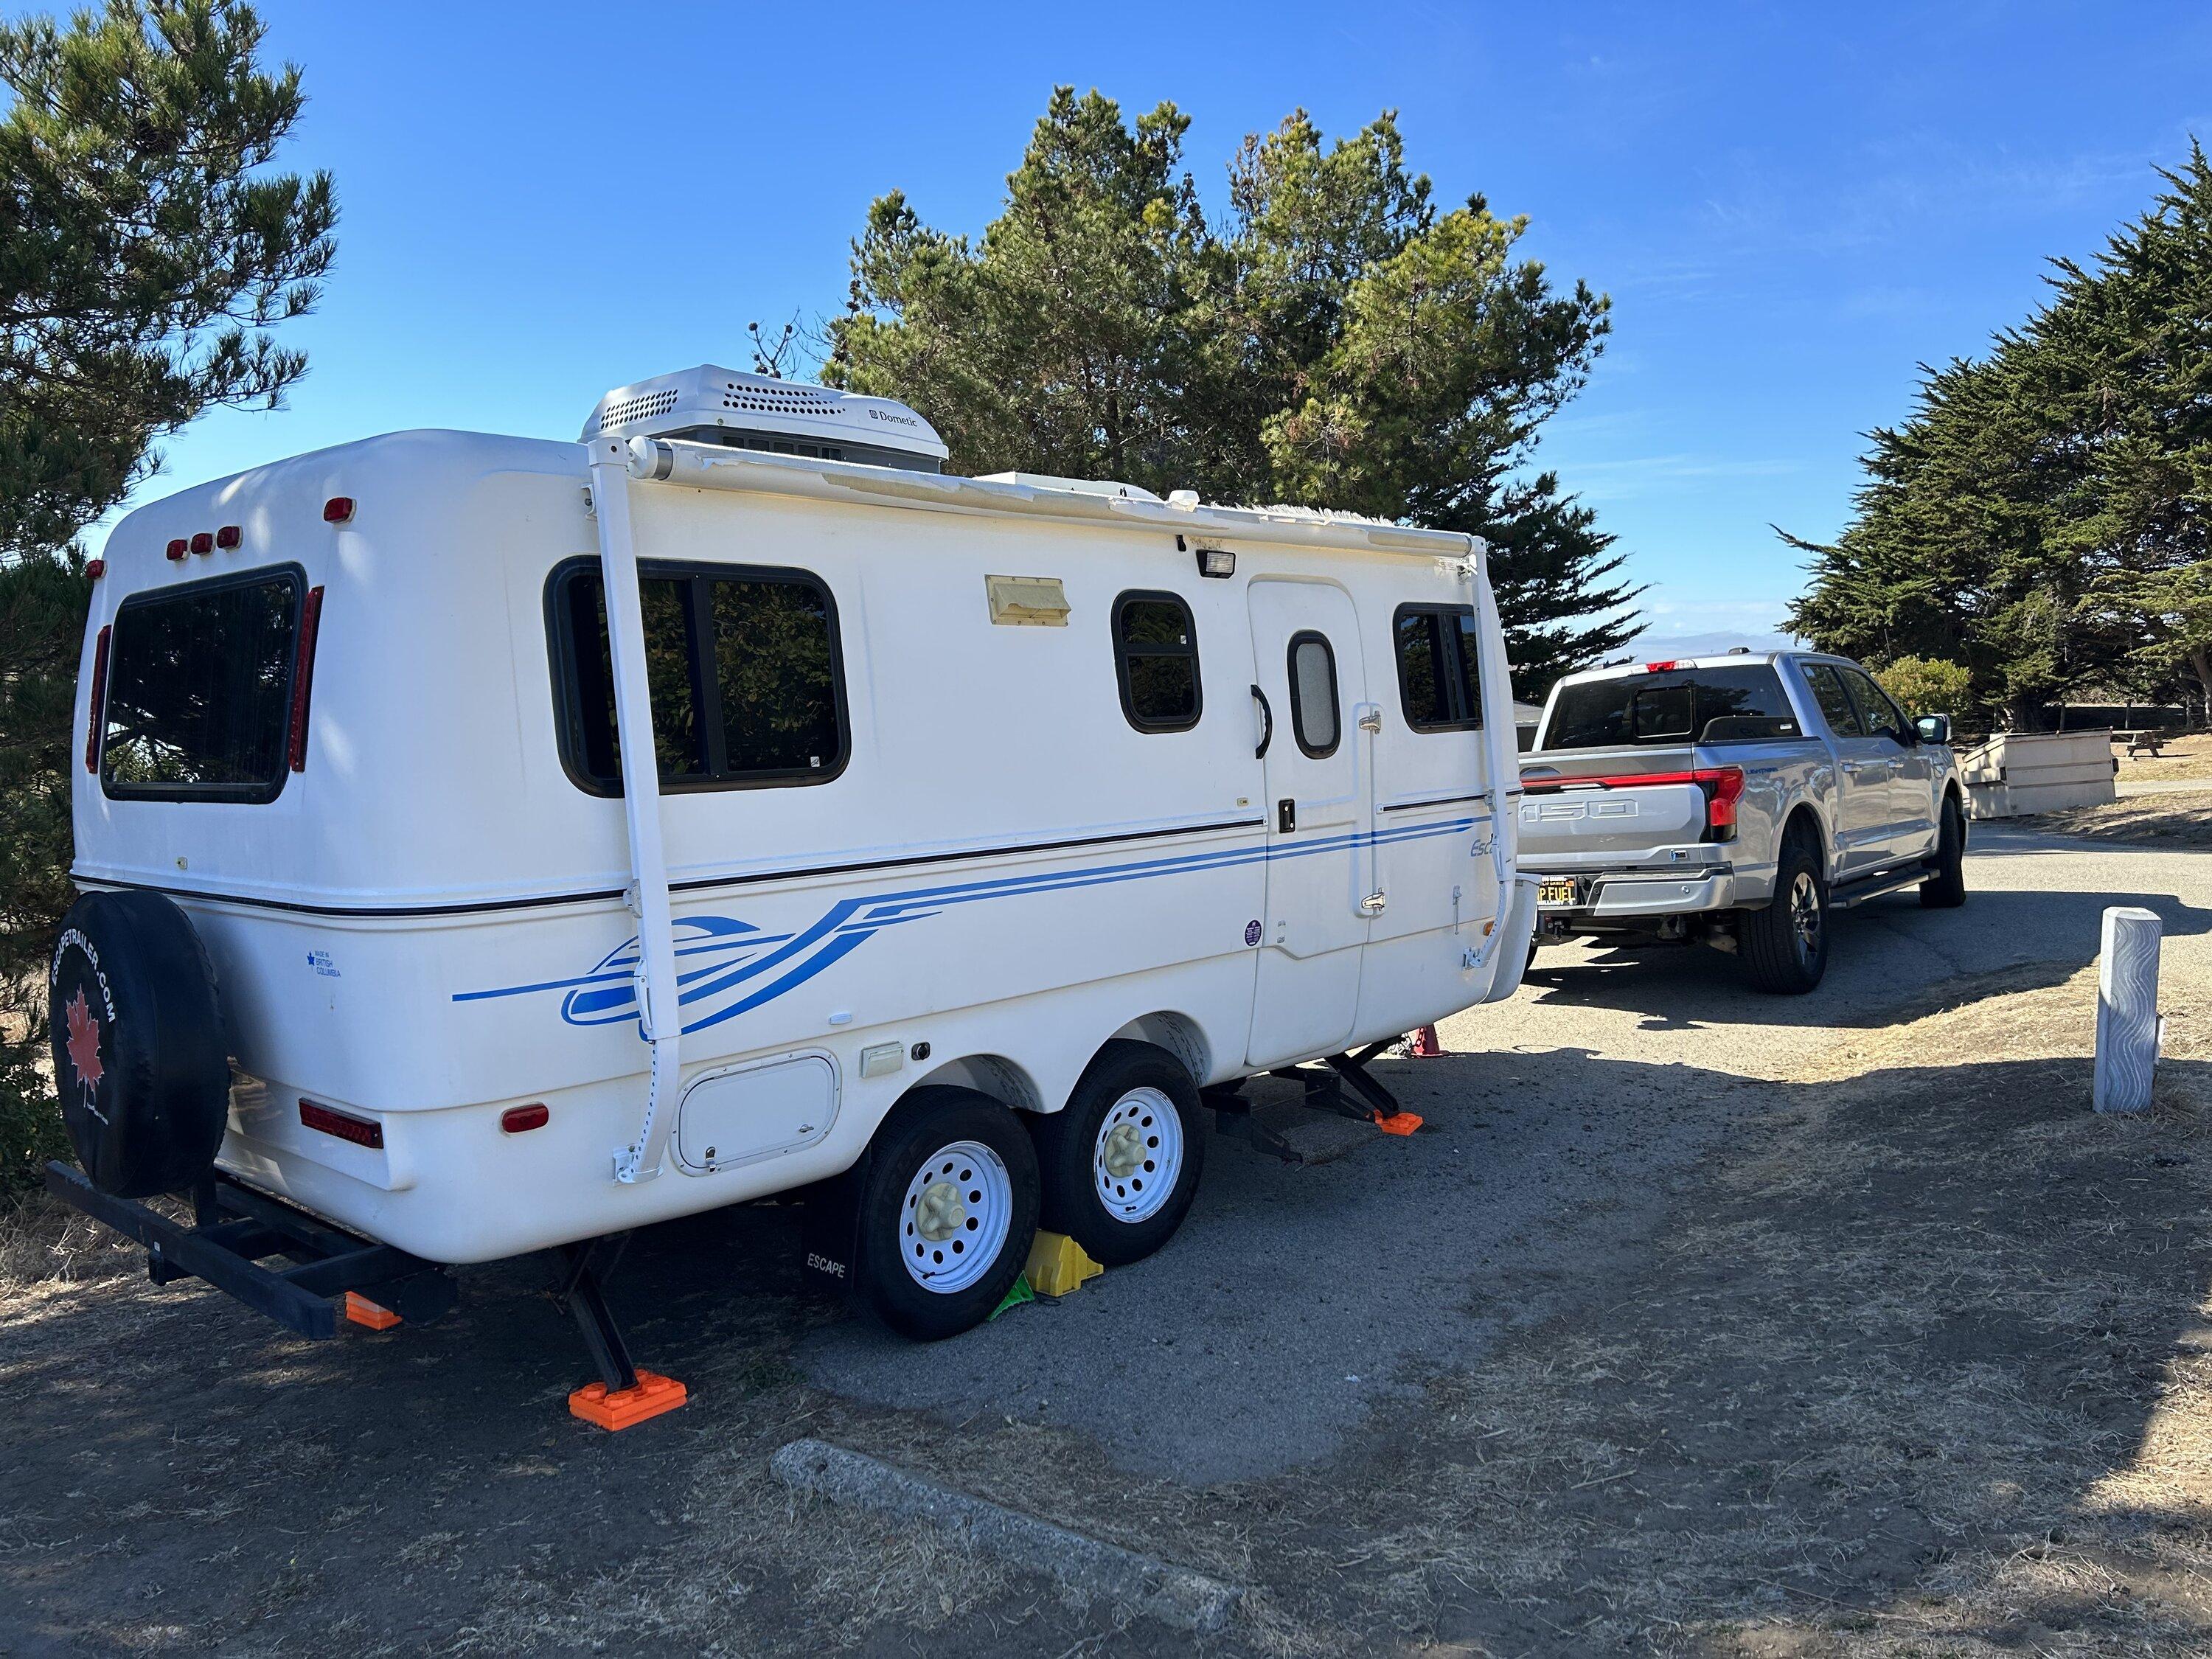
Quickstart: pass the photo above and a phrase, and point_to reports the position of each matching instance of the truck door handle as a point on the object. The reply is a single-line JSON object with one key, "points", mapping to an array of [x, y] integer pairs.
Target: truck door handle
{"points": [[1267, 729]]}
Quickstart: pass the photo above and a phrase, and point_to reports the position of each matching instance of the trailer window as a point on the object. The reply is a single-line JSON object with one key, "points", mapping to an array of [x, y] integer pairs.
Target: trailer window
{"points": [[1313, 695], [743, 663], [1678, 706], [1156, 658], [1439, 667], [199, 690]]}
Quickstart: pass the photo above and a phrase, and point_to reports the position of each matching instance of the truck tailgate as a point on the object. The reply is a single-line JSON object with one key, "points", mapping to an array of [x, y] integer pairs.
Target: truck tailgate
{"points": [[1591, 810]]}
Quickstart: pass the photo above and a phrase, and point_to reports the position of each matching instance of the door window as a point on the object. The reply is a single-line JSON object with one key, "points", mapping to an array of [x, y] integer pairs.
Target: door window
{"points": [[1836, 705], [1313, 711], [1881, 717]]}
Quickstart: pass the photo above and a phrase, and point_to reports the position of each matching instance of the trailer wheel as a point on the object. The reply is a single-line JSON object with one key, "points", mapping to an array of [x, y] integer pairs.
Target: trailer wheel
{"points": [[1120, 1162], [141, 1062], [948, 1213]]}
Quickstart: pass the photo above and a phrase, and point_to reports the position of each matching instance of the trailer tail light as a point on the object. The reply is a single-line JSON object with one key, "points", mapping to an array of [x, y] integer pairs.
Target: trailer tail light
{"points": [[337, 510], [204, 543], [361, 1131], [1722, 786], [95, 569], [517, 1119], [228, 536], [97, 718], [178, 548], [303, 675]]}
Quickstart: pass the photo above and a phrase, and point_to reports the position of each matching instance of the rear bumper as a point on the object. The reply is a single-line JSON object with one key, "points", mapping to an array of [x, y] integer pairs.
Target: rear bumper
{"points": [[1603, 897]]}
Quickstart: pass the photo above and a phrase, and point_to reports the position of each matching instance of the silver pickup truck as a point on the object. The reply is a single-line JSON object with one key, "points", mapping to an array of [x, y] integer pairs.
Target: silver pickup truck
{"points": [[1735, 800]]}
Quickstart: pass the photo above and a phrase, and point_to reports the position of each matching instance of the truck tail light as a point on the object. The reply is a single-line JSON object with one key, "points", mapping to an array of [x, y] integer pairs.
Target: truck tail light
{"points": [[97, 719], [303, 675]]}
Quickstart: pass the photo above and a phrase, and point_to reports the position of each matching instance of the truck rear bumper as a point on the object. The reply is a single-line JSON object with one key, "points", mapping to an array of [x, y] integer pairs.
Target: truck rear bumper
{"points": [[1602, 899]]}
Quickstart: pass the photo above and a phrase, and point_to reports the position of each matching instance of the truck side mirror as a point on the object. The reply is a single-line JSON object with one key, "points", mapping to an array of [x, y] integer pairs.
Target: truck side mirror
{"points": [[1933, 728]]}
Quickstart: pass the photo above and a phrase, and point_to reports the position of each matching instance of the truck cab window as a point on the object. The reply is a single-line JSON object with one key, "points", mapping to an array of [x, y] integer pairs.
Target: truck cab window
{"points": [[1156, 660], [1439, 683], [1313, 714], [1836, 706], [747, 685], [1881, 717]]}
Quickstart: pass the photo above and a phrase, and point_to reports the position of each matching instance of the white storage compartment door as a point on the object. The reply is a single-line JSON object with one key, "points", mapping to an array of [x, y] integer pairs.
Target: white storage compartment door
{"points": [[750, 1112]]}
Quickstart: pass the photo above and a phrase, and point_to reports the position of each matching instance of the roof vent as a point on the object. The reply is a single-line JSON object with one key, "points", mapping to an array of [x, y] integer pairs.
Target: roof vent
{"points": [[713, 405]]}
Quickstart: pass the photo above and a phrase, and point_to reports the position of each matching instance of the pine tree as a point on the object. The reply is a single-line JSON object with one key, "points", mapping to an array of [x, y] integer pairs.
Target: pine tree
{"points": [[146, 254], [1339, 342]]}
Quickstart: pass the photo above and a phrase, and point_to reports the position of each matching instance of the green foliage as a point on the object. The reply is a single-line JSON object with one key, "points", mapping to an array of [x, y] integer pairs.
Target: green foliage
{"points": [[1927, 686], [2042, 517], [145, 255], [1339, 342]]}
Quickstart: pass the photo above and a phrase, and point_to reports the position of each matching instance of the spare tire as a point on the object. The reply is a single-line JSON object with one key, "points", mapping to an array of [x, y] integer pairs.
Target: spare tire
{"points": [[141, 1062]]}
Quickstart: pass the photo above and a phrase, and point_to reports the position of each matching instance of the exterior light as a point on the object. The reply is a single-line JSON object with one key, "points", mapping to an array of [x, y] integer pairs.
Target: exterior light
{"points": [[227, 535], [178, 548], [337, 510], [204, 543], [1216, 561]]}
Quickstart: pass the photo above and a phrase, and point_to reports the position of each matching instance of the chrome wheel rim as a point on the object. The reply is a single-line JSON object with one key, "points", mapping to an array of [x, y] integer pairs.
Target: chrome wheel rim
{"points": [[1805, 916], [1137, 1157], [958, 1208]]}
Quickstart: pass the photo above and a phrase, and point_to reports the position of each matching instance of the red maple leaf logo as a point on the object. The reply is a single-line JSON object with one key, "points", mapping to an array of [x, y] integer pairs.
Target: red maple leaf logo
{"points": [[84, 1043]]}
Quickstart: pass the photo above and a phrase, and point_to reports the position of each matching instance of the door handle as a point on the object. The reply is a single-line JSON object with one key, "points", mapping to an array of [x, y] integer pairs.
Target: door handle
{"points": [[1287, 816], [1373, 903], [1267, 729]]}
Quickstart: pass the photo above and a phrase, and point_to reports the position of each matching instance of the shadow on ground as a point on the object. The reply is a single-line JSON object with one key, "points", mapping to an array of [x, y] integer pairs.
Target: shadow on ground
{"points": [[1620, 1354]]}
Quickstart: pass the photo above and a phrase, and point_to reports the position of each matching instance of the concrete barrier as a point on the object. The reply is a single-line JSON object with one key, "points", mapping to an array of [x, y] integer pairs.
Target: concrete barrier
{"points": [[2017, 772]]}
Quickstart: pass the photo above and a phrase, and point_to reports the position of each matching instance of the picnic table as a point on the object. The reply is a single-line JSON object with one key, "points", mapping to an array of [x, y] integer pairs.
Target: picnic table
{"points": [[2145, 742]]}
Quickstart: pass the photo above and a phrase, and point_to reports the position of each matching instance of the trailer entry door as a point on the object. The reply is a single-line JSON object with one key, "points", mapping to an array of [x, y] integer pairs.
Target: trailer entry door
{"points": [[1305, 642]]}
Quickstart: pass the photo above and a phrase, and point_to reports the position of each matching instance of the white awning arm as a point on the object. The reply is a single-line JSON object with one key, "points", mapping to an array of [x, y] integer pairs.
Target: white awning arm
{"points": [[661, 1014]]}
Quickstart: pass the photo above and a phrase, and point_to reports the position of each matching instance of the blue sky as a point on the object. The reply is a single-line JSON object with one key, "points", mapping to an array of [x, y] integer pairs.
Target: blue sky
{"points": [[1791, 207]]}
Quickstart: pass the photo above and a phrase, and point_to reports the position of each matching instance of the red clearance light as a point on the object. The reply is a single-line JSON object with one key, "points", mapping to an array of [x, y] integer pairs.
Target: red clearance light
{"points": [[228, 536], [303, 676], [1667, 667], [96, 719], [204, 543], [178, 548], [361, 1131], [517, 1119], [95, 569], [337, 510]]}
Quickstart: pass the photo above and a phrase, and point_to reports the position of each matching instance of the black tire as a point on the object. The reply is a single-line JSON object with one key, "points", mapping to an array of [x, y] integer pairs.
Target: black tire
{"points": [[1785, 946], [1069, 1147], [141, 1061], [917, 1133], [1946, 886]]}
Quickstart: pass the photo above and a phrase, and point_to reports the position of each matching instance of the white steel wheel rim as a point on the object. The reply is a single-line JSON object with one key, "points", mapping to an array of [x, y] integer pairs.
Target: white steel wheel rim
{"points": [[1137, 1157], [954, 1219]]}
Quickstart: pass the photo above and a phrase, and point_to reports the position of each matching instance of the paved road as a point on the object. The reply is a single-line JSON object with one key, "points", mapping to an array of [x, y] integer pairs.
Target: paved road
{"points": [[1297, 1300]]}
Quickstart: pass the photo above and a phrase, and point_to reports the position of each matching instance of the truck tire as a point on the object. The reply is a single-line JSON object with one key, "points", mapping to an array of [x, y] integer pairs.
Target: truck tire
{"points": [[141, 1061], [1946, 886], [1120, 1162], [1785, 946], [947, 1214]]}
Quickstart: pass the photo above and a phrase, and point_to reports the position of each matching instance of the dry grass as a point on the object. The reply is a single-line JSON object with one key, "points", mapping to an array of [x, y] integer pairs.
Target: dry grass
{"points": [[2177, 819], [2182, 758]]}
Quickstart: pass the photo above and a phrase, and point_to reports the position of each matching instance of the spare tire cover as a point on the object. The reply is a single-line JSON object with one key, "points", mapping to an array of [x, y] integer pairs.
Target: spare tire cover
{"points": [[141, 1061]]}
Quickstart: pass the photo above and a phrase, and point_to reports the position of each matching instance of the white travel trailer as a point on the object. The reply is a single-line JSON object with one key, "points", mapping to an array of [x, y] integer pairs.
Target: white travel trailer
{"points": [[970, 828]]}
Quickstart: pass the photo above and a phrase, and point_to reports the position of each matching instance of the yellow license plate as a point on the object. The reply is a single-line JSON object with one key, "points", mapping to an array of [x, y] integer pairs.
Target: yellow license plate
{"points": [[1555, 892]]}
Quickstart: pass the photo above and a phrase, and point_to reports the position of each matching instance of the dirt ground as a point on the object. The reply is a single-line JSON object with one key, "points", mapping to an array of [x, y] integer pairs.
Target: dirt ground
{"points": [[2182, 818], [1696, 1321]]}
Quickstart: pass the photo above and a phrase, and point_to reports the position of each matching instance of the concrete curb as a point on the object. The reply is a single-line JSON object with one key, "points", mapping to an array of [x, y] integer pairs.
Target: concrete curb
{"points": [[1176, 1595]]}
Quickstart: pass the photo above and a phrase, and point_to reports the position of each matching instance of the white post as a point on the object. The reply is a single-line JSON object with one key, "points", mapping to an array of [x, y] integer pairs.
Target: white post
{"points": [[2127, 1010]]}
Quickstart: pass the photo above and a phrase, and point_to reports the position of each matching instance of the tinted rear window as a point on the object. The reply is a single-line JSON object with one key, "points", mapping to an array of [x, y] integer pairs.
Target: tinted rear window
{"points": [[199, 690], [1702, 705]]}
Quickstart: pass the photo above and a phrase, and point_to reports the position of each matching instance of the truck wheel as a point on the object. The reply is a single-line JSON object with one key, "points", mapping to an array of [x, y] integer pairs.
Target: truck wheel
{"points": [[1946, 886], [948, 1213], [1785, 946], [1120, 1162]]}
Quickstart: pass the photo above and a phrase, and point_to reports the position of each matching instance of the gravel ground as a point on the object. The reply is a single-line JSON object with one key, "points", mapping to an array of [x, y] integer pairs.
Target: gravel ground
{"points": [[1626, 1350]]}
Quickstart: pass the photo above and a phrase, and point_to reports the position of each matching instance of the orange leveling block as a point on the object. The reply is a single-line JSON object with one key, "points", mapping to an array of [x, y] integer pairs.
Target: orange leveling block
{"points": [[360, 1309], [1398, 1123], [650, 1396]]}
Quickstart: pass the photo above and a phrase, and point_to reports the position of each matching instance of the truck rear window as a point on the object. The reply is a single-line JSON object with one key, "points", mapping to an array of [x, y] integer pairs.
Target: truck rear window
{"points": [[199, 690], [1683, 706]]}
